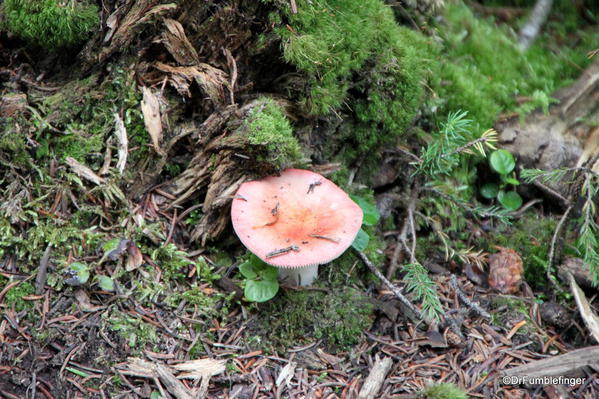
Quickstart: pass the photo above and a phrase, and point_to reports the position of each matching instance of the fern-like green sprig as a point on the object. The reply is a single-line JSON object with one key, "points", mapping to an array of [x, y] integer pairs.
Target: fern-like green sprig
{"points": [[423, 288], [587, 240], [442, 156]]}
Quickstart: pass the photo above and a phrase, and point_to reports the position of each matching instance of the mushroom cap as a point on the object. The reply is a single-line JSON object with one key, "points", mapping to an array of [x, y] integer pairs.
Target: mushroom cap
{"points": [[301, 215]]}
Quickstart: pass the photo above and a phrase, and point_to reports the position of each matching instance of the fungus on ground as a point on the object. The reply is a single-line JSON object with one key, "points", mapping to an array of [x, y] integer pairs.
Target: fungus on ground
{"points": [[295, 221]]}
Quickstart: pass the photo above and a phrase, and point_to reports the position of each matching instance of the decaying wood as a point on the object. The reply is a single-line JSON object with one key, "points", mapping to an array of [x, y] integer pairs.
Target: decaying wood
{"points": [[560, 365], [577, 268], [374, 381], [590, 319], [121, 29], [559, 138]]}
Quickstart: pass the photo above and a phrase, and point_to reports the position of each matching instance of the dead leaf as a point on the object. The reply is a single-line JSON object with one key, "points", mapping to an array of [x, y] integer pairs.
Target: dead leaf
{"points": [[111, 24], [83, 171], [150, 107], [286, 373], [590, 318], [135, 258], [85, 303], [505, 271], [121, 134]]}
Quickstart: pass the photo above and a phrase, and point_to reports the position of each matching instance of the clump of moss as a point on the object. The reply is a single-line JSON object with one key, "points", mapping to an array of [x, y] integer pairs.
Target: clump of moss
{"points": [[444, 390], [354, 54], [14, 296], [134, 329], [294, 318], [50, 23], [267, 126]]}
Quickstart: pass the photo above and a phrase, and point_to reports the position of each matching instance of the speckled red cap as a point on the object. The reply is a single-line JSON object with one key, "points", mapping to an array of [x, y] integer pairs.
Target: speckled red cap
{"points": [[296, 219]]}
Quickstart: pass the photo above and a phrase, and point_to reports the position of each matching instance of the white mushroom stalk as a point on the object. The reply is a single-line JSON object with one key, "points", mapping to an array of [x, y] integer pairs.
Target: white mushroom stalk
{"points": [[295, 221]]}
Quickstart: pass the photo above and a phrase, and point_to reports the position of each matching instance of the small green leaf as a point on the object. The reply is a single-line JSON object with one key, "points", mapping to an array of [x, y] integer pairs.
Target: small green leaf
{"points": [[106, 283], [361, 241], [510, 200], [512, 181], [502, 161], [155, 395], [489, 190], [248, 270], [371, 214], [260, 291], [79, 273]]}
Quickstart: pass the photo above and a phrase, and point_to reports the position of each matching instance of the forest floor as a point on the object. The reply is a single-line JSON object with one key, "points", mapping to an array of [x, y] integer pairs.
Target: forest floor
{"points": [[119, 272]]}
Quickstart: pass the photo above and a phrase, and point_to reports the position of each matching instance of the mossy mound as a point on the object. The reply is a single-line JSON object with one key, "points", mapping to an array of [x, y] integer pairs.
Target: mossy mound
{"points": [[295, 318], [357, 60], [50, 24], [268, 126]]}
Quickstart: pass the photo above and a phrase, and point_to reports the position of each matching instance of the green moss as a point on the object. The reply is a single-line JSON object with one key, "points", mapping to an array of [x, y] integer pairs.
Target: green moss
{"points": [[50, 24], [354, 54], [267, 126], [474, 78], [133, 329], [294, 318], [14, 296], [443, 391]]}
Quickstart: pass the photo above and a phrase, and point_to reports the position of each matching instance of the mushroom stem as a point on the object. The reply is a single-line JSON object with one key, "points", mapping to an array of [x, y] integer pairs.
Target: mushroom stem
{"points": [[303, 276]]}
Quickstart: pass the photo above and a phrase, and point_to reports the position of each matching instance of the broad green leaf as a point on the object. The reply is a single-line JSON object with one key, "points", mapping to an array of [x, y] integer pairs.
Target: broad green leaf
{"points": [[254, 269], [269, 272], [502, 161], [106, 283], [371, 214], [361, 241], [489, 190], [510, 200], [248, 270], [260, 291], [80, 273]]}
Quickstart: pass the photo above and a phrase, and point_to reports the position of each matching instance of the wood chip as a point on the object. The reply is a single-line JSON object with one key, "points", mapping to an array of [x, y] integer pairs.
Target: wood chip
{"points": [[375, 379]]}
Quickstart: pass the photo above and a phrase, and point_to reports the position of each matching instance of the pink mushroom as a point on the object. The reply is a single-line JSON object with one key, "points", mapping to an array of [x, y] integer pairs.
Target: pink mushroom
{"points": [[295, 221]]}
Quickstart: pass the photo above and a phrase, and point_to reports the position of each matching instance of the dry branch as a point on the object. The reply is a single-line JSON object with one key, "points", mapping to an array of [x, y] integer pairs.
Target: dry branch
{"points": [[374, 381], [558, 365]]}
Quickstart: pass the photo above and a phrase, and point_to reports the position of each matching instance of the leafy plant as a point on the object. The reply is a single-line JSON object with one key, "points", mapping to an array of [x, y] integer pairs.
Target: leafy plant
{"points": [[261, 282], [503, 163], [371, 217]]}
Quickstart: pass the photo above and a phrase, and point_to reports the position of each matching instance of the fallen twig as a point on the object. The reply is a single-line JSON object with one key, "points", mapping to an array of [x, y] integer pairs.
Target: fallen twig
{"points": [[558, 365], [474, 306], [395, 289], [374, 381], [42, 272], [531, 28]]}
